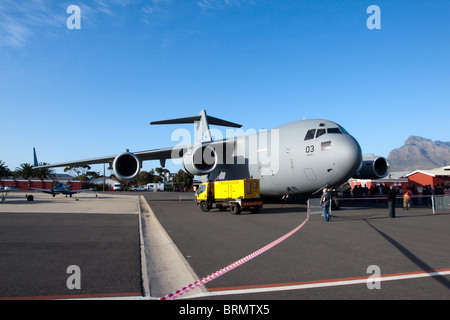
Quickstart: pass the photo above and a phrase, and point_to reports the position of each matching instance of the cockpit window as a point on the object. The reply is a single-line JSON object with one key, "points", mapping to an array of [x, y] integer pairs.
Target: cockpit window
{"points": [[320, 132], [316, 133], [310, 134], [334, 130]]}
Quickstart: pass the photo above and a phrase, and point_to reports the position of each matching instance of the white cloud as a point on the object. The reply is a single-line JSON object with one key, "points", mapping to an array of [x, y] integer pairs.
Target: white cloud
{"points": [[155, 7], [220, 4], [108, 6], [13, 33], [20, 21], [23, 20]]}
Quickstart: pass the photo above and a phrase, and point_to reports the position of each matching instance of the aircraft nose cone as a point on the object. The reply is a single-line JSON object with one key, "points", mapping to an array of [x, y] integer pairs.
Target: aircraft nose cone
{"points": [[348, 156]]}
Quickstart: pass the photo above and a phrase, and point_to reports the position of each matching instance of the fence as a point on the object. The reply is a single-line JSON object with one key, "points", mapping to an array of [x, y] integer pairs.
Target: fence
{"points": [[314, 207], [434, 202], [440, 202]]}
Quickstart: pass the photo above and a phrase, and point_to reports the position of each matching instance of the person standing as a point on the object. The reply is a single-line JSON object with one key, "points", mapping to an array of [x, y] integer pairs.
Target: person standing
{"points": [[325, 201], [406, 200], [391, 197]]}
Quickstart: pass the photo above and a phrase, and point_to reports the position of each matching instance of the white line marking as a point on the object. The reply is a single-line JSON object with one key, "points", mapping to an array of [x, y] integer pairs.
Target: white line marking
{"points": [[325, 283]]}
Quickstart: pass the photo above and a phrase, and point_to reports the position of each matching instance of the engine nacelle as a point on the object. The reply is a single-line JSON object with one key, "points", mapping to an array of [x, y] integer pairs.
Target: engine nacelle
{"points": [[126, 166], [372, 167], [200, 161]]}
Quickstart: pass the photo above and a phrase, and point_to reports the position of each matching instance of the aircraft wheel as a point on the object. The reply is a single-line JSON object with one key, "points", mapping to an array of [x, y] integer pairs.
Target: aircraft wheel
{"points": [[30, 198], [335, 204], [204, 206], [235, 208]]}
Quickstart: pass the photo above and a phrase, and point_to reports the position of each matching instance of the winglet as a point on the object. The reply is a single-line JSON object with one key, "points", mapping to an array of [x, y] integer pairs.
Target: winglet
{"points": [[35, 158], [203, 121]]}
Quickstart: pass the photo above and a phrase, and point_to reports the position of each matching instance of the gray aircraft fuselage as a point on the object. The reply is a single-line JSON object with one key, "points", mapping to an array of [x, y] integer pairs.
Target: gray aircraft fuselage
{"points": [[300, 157]]}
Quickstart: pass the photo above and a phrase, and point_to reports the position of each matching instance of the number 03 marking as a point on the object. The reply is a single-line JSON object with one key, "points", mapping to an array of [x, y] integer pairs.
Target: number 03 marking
{"points": [[309, 149]]}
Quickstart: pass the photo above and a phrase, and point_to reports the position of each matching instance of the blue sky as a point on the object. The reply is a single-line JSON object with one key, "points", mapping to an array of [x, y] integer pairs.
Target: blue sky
{"points": [[76, 94]]}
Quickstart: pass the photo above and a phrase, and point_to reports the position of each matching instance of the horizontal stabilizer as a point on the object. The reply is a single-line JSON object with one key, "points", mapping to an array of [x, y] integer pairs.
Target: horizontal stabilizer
{"points": [[177, 121], [223, 123], [203, 121], [211, 120]]}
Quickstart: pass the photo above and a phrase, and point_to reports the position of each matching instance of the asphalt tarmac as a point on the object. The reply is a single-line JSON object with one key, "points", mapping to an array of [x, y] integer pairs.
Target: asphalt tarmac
{"points": [[357, 238], [39, 240]]}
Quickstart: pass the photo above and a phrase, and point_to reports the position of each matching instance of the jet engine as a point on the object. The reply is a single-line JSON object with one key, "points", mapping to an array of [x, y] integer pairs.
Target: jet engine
{"points": [[126, 166], [372, 167], [200, 161]]}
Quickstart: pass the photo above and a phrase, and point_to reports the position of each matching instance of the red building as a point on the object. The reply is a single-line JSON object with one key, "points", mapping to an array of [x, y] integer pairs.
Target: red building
{"points": [[401, 182], [439, 176], [39, 184], [417, 179]]}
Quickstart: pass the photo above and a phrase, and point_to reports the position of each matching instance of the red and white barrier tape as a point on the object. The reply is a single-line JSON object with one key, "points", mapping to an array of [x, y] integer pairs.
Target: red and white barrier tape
{"points": [[232, 266]]}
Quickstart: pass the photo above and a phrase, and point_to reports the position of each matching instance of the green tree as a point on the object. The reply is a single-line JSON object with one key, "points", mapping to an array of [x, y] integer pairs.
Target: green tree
{"points": [[183, 179], [4, 170], [156, 178], [144, 177], [162, 172], [81, 173], [43, 173], [25, 171]]}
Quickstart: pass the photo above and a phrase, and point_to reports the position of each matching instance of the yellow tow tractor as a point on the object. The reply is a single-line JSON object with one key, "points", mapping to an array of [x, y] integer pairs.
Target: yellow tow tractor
{"points": [[237, 195]]}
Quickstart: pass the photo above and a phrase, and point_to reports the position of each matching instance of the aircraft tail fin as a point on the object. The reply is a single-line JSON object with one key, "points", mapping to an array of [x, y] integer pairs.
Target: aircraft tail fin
{"points": [[203, 121], [36, 163]]}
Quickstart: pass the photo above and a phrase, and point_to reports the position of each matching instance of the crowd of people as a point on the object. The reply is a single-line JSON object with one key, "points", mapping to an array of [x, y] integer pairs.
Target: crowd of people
{"points": [[409, 196], [396, 193], [382, 190], [391, 193]]}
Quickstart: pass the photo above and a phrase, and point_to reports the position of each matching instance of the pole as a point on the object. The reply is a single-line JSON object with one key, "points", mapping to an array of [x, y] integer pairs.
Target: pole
{"points": [[432, 204], [308, 210]]}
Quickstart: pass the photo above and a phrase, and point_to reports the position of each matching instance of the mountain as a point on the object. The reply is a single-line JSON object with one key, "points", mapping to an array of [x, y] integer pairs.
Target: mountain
{"points": [[420, 153]]}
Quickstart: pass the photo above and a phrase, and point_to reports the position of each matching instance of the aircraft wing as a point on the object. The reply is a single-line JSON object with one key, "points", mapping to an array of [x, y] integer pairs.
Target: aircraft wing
{"points": [[42, 190], [126, 165], [76, 191], [157, 154], [2, 191]]}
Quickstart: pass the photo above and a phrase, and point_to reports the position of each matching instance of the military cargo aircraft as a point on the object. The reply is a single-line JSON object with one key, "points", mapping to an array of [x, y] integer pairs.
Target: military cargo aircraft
{"points": [[297, 158]]}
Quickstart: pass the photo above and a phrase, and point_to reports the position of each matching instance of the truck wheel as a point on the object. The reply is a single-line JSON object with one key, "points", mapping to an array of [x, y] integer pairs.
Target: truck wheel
{"points": [[235, 208], [204, 206]]}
